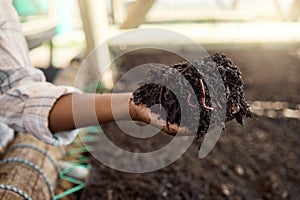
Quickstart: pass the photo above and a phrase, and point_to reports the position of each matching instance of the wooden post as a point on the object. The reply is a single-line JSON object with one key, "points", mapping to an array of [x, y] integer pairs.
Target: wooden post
{"points": [[137, 13], [29, 169], [234, 4], [279, 9], [95, 25], [118, 11], [295, 10]]}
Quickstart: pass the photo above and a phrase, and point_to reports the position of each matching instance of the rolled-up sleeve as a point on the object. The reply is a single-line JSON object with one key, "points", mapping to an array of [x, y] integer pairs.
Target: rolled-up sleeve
{"points": [[26, 99]]}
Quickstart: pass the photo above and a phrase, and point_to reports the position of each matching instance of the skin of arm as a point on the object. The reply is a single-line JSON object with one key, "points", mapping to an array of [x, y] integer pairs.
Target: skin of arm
{"points": [[61, 117]]}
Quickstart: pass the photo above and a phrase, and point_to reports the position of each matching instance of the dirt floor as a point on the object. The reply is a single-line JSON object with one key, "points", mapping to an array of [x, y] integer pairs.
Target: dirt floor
{"points": [[259, 161]]}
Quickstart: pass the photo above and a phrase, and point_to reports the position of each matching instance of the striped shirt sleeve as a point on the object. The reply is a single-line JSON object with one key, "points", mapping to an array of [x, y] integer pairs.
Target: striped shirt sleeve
{"points": [[26, 99]]}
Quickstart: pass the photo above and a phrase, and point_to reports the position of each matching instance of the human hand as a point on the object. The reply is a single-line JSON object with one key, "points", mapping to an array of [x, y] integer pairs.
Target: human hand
{"points": [[144, 114]]}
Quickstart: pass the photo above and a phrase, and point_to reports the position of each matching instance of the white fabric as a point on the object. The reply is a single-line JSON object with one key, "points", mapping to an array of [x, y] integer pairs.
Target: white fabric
{"points": [[25, 98]]}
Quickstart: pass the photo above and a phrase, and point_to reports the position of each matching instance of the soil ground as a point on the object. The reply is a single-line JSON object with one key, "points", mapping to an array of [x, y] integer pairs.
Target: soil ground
{"points": [[259, 161]]}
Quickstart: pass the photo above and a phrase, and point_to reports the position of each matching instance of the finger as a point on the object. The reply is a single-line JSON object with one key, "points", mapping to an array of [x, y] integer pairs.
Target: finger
{"points": [[174, 129]]}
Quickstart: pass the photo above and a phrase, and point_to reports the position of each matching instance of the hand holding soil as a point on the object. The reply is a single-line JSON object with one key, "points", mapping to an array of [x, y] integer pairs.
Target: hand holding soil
{"points": [[142, 113], [168, 114]]}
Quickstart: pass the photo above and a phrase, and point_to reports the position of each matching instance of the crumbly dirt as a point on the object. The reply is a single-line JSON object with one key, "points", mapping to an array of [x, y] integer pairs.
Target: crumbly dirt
{"points": [[194, 74], [258, 161]]}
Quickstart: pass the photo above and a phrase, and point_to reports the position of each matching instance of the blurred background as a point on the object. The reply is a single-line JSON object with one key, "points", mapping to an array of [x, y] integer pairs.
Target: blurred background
{"points": [[73, 26], [258, 161]]}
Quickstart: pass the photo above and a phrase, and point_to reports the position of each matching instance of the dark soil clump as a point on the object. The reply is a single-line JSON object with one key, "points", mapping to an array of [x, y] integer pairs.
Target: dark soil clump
{"points": [[197, 73]]}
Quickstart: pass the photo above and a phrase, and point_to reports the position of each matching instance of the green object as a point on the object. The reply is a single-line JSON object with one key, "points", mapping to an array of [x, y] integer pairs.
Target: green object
{"points": [[76, 153], [70, 191], [31, 7]]}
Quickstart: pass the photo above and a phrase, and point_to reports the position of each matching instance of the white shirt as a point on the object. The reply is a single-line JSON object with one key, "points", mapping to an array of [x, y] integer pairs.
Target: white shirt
{"points": [[25, 97]]}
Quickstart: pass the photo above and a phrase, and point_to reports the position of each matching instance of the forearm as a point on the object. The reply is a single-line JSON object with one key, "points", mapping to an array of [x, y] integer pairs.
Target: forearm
{"points": [[79, 110]]}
